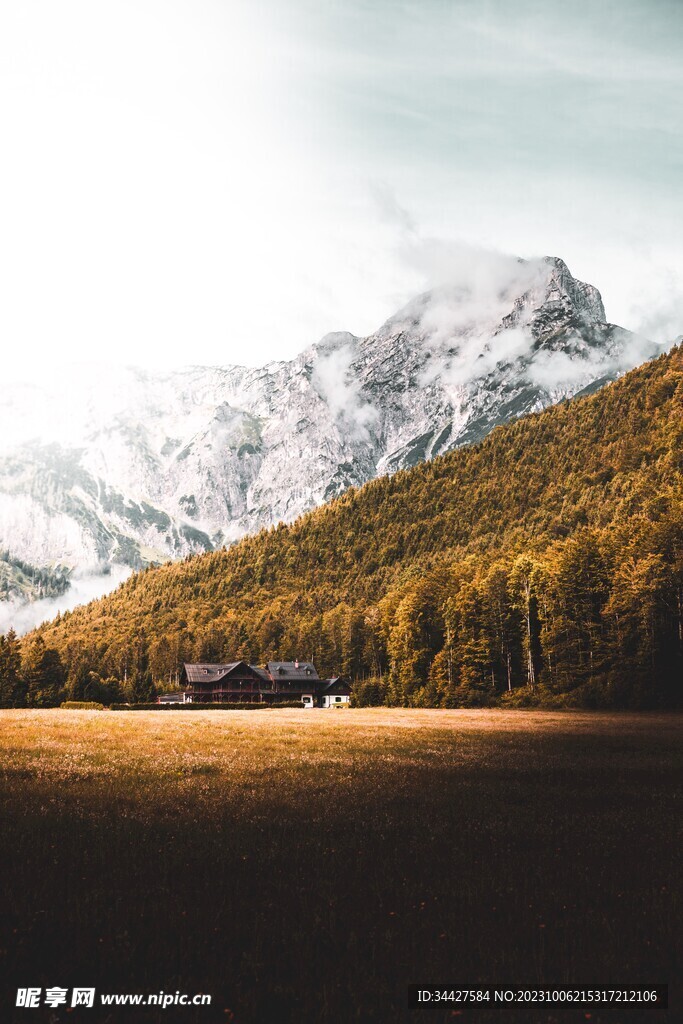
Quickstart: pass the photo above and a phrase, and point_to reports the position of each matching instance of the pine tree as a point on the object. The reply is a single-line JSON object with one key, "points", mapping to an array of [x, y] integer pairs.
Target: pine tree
{"points": [[44, 675], [142, 685], [12, 686], [523, 582]]}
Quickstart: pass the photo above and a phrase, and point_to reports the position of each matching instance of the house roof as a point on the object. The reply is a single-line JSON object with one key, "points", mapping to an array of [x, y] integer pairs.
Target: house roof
{"points": [[206, 673], [293, 671], [338, 683], [261, 673]]}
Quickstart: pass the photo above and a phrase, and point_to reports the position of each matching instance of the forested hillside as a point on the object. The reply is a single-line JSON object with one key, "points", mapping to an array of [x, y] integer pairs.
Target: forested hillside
{"points": [[544, 564]]}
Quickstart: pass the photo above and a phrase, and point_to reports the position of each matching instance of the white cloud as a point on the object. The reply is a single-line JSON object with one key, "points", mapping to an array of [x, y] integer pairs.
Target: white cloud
{"points": [[657, 306], [334, 381], [557, 370], [23, 617], [189, 182]]}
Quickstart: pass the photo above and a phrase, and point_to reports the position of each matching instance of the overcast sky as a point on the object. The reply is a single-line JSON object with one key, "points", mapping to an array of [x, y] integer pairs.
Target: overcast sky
{"points": [[216, 181]]}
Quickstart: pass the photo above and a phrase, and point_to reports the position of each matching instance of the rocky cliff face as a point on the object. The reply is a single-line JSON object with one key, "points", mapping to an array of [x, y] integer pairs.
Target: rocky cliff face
{"points": [[143, 467]]}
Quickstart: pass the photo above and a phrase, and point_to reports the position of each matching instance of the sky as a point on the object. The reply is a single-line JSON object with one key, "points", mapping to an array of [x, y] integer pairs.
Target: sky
{"points": [[223, 181]]}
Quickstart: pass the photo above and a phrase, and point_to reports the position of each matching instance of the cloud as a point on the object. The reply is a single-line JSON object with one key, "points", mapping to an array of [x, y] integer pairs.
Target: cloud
{"points": [[468, 291], [471, 291], [389, 209], [23, 617], [477, 355], [476, 277], [560, 370], [658, 314], [334, 381], [537, 126]]}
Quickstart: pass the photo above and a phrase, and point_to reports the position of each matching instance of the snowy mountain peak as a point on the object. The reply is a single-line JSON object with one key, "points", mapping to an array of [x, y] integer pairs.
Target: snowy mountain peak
{"points": [[151, 466], [561, 287]]}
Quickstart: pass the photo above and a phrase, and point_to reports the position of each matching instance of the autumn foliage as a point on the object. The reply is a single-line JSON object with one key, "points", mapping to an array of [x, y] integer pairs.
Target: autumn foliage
{"points": [[544, 565]]}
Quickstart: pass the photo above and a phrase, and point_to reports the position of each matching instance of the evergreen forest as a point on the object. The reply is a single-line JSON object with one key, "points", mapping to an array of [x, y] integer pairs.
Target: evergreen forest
{"points": [[543, 566]]}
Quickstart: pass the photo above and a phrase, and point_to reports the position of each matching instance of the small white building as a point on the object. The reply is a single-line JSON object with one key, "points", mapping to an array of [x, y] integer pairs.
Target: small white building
{"points": [[335, 693]]}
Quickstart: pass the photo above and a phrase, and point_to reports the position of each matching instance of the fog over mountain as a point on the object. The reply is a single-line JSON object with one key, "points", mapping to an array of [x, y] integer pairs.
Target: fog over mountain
{"points": [[103, 473]]}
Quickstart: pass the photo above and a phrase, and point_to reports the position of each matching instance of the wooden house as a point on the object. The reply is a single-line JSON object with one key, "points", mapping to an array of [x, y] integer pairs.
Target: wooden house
{"points": [[237, 682], [295, 680]]}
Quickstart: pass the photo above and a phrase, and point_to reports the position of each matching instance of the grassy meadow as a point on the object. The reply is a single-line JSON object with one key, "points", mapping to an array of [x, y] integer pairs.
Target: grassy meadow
{"points": [[305, 866]]}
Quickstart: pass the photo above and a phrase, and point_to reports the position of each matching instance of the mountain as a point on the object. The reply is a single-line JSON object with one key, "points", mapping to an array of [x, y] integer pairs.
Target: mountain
{"points": [[142, 467], [545, 562]]}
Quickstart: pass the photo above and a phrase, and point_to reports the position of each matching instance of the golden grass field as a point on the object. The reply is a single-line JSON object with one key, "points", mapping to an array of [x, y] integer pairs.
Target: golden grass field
{"points": [[307, 865]]}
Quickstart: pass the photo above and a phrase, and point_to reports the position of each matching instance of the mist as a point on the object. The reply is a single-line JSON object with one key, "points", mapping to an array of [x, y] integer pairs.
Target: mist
{"points": [[334, 381], [23, 617], [470, 289]]}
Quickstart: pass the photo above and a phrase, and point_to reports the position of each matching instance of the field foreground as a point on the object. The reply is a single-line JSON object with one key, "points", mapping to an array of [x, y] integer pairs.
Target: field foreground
{"points": [[307, 865]]}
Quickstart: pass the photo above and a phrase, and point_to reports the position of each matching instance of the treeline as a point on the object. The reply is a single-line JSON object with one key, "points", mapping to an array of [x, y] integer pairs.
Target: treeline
{"points": [[34, 675], [19, 578], [544, 565]]}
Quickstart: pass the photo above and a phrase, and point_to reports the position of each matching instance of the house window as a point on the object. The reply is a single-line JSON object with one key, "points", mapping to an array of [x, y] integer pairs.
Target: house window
{"points": [[338, 700]]}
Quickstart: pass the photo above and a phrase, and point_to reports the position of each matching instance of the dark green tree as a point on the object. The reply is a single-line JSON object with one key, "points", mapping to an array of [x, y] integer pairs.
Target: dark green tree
{"points": [[44, 675], [142, 685], [12, 685]]}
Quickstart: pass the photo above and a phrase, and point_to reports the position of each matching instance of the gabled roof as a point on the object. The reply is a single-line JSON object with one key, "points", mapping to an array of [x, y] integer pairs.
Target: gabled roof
{"points": [[206, 673], [261, 673], [338, 684], [293, 671]]}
